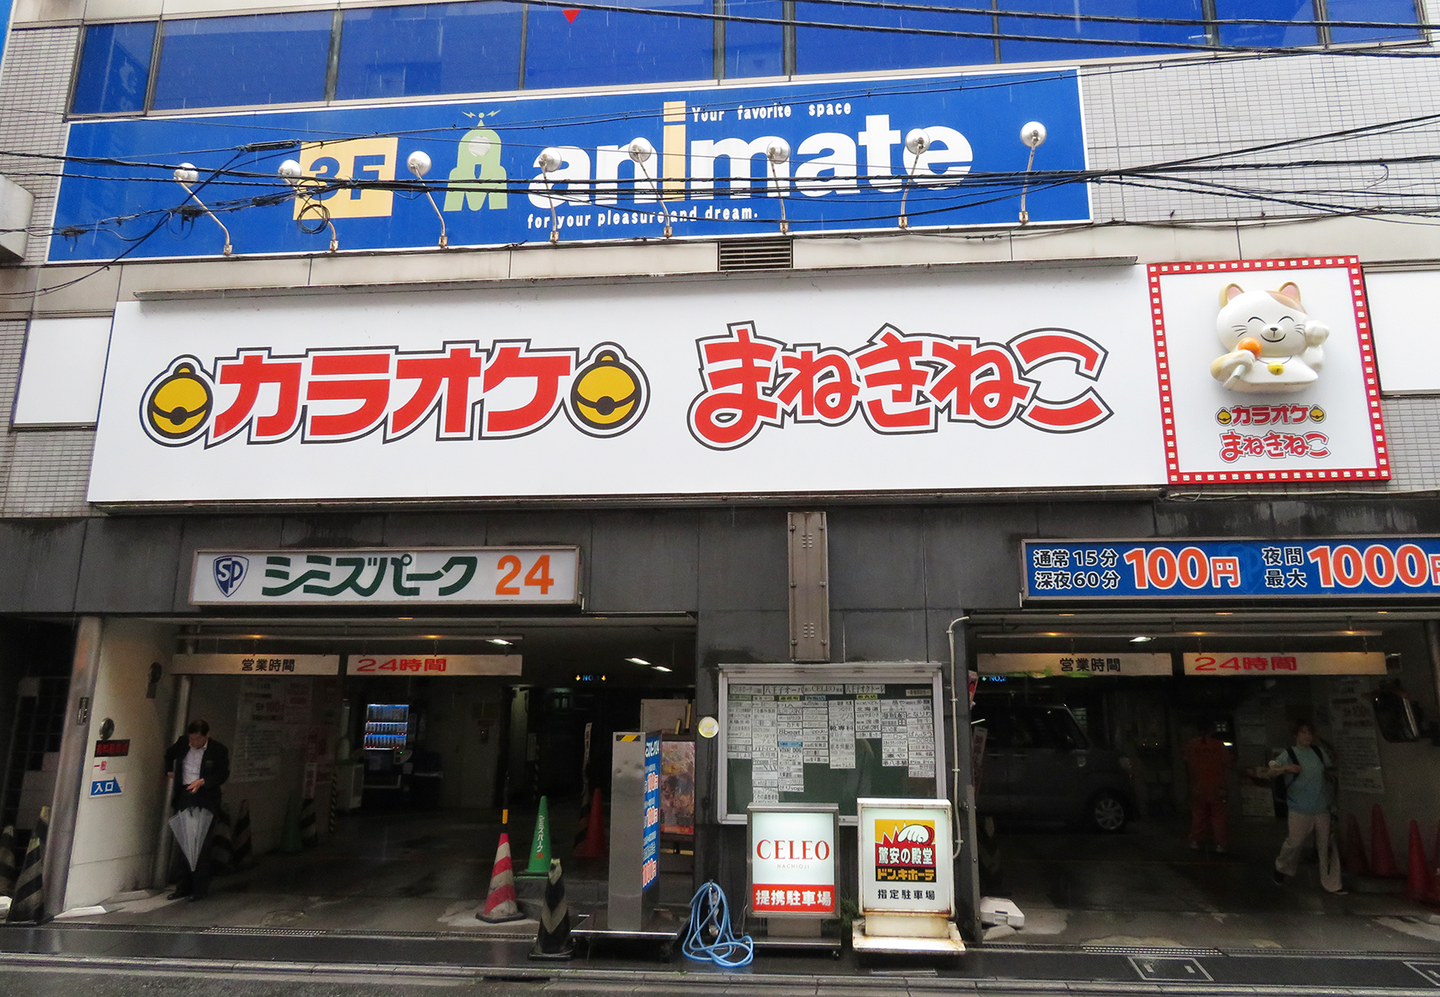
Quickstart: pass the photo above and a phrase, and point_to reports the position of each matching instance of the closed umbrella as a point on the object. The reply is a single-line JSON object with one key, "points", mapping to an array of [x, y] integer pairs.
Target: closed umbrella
{"points": [[190, 827]]}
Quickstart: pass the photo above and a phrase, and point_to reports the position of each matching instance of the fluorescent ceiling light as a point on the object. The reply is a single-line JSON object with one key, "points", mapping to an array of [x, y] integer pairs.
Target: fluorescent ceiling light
{"points": [[660, 668], [1141, 640], [637, 661], [500, 640]]}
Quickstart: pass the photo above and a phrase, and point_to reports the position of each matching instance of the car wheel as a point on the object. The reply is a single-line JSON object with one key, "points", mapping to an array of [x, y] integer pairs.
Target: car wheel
{"points": [[1107, 812]]}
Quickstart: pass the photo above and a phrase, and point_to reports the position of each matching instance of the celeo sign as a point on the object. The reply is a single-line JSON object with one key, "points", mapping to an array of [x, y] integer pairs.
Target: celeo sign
{"points": [[1267, 371], [1346, 567], [939, 380], [709, 175], [384, 575], [792, 860]]}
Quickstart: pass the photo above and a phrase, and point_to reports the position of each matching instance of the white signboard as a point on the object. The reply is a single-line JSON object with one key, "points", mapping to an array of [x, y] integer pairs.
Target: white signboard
{"points": [[1293, 663], [1267, 371], [905, 857], [254, 664], [434, 665], [1075, 664], [939, 380], [792, 861], [471, 575], [1357, 743]]}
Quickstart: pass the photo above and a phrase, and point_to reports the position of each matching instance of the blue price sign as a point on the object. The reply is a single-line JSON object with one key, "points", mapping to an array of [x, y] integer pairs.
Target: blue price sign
{"points": [[1246, 569], [650, 849]]}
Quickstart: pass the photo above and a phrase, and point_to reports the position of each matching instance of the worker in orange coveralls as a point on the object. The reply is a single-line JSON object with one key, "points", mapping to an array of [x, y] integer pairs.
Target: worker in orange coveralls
{"points": [[1209, 762]]}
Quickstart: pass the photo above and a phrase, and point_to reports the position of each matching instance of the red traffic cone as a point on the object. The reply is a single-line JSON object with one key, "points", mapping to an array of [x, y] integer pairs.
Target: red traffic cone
{"points": [[1419, 885], [1352, 849], [1382, 857], [593, 847], [500, 905]]}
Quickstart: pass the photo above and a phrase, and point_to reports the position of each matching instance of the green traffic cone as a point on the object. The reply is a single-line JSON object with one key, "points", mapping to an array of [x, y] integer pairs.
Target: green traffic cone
{"points": [[290, 833], [540, 851]]}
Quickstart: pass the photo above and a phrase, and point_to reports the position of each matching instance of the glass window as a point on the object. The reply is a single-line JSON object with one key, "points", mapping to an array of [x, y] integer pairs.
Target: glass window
{"points": [[1073, 28], [114, 68], [1399, 12], [1267, 35], [825, 50], [588, 48], [429, 49], [754, 49], [231, 61]]}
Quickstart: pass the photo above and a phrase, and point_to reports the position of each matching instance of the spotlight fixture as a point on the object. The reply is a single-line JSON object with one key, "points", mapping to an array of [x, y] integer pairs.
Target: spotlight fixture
{"points": [[917, 142], [549, 161], [292, 174], [419, 164], [185, 176], [640, 150], [1032, 133], [777, 153]]}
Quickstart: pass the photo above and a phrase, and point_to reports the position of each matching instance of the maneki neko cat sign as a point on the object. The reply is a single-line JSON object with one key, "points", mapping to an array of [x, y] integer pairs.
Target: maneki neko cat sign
{"points": [[1267, 371]]}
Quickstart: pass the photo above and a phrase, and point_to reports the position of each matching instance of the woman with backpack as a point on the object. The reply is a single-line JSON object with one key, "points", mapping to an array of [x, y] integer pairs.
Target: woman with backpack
{"points": [[1305, 770]]}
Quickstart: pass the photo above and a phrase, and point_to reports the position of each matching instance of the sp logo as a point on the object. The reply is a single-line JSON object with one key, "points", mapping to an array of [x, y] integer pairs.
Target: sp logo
{"points": [[229, 571]]}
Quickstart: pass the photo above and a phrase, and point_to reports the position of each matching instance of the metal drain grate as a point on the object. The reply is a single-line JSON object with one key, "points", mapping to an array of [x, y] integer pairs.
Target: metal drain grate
{"points": [[286, 932], [755, 254], [1154, 953]]}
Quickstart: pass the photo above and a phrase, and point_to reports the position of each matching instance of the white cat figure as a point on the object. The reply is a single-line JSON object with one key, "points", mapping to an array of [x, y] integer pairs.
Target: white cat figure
{"points": [[1273, 346]]}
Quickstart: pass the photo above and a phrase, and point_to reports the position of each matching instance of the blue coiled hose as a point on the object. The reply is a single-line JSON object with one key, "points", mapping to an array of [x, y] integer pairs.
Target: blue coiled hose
{"points": [[709, 912]]}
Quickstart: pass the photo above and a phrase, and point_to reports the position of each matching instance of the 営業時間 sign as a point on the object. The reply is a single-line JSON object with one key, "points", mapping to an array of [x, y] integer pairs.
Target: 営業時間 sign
{"points": [[1251, 569]]}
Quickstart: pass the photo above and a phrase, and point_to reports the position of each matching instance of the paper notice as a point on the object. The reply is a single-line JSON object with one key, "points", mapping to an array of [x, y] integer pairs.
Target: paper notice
{"points": [[894, 744], [867, 716], [920, 733], [792, 766], [841, 731], [815, 731], [738, 723]]}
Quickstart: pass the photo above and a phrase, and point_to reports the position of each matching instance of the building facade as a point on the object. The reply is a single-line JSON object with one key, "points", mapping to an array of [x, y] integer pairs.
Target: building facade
{"points": [[298, 297]]}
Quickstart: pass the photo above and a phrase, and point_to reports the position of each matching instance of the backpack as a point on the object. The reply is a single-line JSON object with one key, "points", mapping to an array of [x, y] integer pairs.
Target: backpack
{"points": [[1280, 789]]}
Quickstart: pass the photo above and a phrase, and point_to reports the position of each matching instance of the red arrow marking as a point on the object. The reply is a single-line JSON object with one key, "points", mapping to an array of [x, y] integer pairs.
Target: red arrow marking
{"points": [[571, 13]]}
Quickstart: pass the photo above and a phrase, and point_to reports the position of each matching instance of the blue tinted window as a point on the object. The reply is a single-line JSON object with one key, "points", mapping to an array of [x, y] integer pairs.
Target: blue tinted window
{"points": [[226, 61], [754, 49], [1267, 35], [578, 48], [430, 49], [1395, 11], [824, 50], [114, 68], [1073, 28]]}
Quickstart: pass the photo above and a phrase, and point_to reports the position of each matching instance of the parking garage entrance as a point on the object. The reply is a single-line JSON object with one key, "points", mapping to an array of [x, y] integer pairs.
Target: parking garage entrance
{"points": [[1095, 732], [373, 797]]}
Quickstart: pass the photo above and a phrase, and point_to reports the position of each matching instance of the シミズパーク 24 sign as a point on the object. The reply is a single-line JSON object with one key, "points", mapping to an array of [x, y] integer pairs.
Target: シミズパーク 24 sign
{"points": [[837, 383], [708, 173]]}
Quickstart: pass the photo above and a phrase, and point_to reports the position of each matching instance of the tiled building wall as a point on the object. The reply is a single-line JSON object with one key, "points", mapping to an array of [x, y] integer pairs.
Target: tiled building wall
{"points": [[34, 86]]}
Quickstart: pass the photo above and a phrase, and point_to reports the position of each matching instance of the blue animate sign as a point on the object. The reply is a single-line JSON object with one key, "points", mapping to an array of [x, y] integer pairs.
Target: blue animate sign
{"points": [[1232, 569], [710, 173]]}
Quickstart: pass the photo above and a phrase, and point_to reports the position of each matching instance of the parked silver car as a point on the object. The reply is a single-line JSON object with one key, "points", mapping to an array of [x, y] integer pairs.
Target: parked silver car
{"points": [[1040, 766]]}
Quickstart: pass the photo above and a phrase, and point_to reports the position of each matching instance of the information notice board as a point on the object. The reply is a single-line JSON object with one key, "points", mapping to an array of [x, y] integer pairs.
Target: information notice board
{"points": [[829, 734]]}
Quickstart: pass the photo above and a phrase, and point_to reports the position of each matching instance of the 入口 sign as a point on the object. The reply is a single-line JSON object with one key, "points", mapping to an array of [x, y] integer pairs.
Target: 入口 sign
{"points": [[792, 860], [1042, 379], [385, 575]]}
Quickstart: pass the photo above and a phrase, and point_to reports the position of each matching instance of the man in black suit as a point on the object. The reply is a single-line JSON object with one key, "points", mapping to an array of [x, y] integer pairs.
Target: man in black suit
{"points": [[198, 766]]}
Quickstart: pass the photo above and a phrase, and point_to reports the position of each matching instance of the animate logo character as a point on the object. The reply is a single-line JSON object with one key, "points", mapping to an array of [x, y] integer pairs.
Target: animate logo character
{"points": [[1273, 345], [336, 395]]}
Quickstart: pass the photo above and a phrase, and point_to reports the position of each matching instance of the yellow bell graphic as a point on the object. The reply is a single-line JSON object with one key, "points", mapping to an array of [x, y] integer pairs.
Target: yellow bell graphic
{"points": [[177, 407], [609, 393]]}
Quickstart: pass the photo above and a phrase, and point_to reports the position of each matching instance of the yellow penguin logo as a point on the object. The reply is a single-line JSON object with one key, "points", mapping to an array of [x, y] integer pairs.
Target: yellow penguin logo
{"points": [[176, 407], [609, 394]]}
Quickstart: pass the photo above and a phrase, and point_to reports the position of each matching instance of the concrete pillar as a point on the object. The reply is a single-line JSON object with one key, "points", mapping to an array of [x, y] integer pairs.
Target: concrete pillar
{"points": [[72, 768]]}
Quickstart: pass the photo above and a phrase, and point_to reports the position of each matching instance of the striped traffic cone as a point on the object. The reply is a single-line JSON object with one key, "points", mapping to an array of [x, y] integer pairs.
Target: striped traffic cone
{"points": [[29, 902], [9, 871], [500, 905], [240, 846], [334, 803], [309, 834], [553, 940]]}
